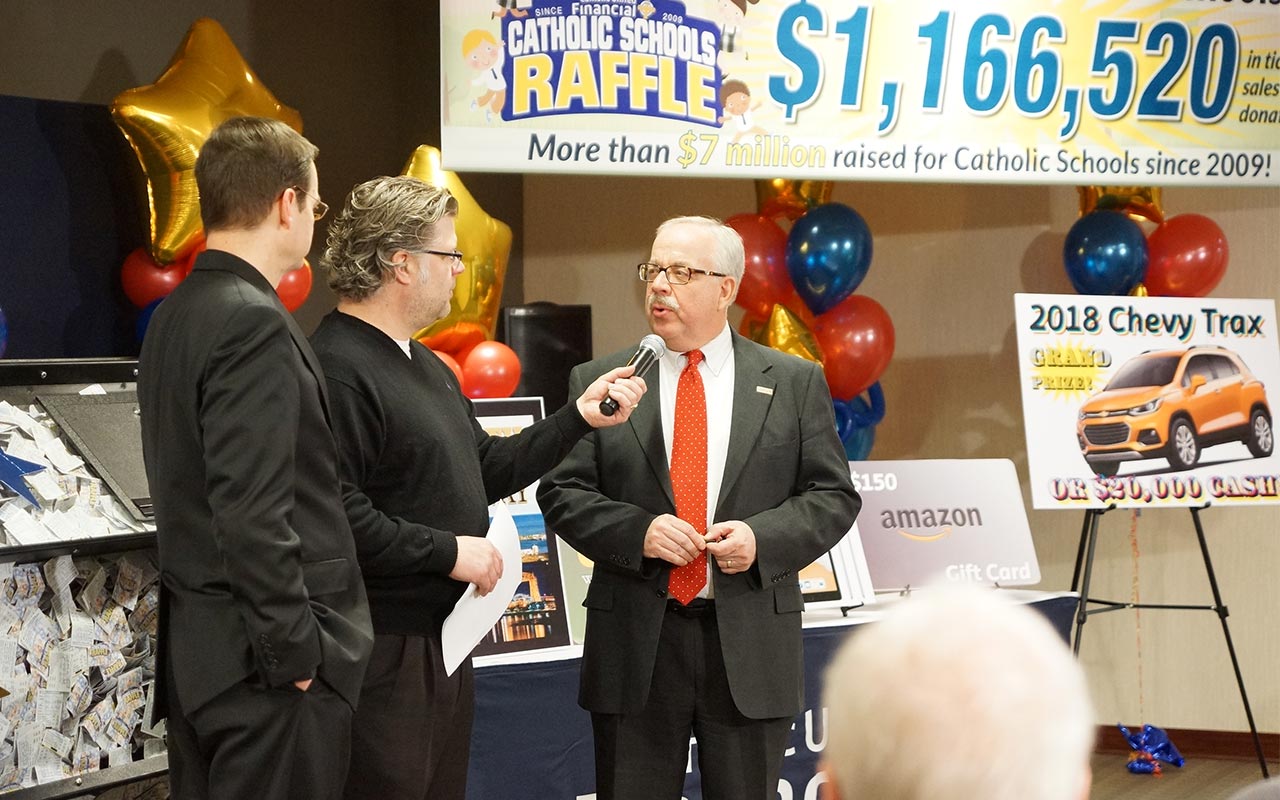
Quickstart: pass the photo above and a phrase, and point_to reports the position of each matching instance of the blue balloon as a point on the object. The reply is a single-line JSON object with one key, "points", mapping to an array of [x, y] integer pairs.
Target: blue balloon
{"points": [[828, 254], [862, 433], [870, 411], [4, 333], [858, 446], [844, 419], [1105, 253], [144, 319]]}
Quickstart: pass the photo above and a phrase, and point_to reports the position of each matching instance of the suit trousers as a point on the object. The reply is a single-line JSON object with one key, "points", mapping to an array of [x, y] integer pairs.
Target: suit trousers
{"points": [[643, 756], [411, 739], [256, 741]]}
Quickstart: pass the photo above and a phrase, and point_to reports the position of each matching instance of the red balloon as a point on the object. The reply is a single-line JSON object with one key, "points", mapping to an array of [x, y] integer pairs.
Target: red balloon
{"points": [[145, 281], [766, 280], [451, 364], [490, 370], [857, 343], [1187, 256], [295, 286], [456, 340]]}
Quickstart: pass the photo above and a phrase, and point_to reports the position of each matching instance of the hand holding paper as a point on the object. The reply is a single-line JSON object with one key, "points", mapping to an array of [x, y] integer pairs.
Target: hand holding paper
{"points": [[478, 563], [478, 611]]}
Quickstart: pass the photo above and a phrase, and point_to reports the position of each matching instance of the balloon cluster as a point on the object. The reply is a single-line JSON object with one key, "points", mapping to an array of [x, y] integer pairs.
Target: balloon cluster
{"points": [[1107, 250], [1151, 745], [463, 338], [798, 295], [147, 283], [206, 82]]}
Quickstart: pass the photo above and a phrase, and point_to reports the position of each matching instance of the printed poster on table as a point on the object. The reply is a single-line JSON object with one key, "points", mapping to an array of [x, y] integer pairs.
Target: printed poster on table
{"points": [[535, 617], [1123, 92], [1149, 401]]}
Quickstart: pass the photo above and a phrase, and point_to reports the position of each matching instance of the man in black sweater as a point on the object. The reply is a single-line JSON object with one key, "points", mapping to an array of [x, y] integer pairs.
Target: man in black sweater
{"points": [[421, 473]]}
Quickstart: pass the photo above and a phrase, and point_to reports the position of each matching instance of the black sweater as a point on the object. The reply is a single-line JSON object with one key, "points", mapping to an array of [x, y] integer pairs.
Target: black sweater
{"points": [[417, 468]]}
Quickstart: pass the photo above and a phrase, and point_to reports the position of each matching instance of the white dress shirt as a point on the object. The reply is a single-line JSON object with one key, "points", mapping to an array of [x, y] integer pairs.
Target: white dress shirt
{"points": [[716, 371]]}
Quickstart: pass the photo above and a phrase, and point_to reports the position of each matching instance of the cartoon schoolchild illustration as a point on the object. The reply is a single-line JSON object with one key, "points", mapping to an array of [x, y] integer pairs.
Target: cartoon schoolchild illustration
{"points": [[509, 7], [732, 15], [485, 54], [735, 99]]}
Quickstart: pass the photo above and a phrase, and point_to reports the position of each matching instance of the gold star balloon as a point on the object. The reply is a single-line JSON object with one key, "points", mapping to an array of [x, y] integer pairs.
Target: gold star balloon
{"points": [[485, 244], [781, 197], [206, 82], [786, 332], [1141, 203]]}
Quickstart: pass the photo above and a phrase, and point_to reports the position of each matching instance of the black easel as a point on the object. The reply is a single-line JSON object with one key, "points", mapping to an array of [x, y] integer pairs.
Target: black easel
{"points": [[1084, 557]]}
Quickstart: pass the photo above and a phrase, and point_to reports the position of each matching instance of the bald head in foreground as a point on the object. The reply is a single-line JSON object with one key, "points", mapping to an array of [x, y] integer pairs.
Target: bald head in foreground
{"points": [[957, 693]]}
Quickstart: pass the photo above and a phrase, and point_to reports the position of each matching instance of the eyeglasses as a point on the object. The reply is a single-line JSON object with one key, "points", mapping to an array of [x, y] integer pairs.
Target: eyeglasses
{"points": [[319, 209], [677, 274], [449, 255]]}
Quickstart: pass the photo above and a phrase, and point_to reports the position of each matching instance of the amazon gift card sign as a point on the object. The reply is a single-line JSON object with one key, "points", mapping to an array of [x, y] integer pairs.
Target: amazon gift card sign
{"points": [[951, 519]]}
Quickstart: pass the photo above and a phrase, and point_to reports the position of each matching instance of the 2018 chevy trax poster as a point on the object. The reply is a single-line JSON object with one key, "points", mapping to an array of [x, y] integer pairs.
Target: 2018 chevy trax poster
{"points": [[1149, 401]]}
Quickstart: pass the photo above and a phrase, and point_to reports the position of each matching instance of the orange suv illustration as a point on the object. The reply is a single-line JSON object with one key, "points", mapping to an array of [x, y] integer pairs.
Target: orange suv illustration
{"points": [[1171, 404]]}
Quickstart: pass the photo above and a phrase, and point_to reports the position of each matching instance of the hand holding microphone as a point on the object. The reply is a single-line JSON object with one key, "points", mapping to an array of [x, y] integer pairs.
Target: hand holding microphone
{"points": [[598, 405], [651, 349]]}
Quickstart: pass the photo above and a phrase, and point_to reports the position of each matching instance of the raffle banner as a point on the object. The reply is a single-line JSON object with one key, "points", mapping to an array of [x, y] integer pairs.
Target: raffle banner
{"points": [[1145, 401], [1134, 92]]}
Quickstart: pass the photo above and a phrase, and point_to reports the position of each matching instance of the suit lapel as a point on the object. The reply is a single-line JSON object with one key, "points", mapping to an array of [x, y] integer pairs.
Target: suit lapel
{"points": [[750, 407], [309, 356], [646, 423], [219, 260]]}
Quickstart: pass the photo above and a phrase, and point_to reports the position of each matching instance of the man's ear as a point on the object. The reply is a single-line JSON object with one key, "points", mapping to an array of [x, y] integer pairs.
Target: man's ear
{"points": [[728, 292], [286, 208], [402, 271]]}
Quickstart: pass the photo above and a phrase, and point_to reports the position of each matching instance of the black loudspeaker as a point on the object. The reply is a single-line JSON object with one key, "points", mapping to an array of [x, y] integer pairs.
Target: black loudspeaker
{"points": [[550, 340]]}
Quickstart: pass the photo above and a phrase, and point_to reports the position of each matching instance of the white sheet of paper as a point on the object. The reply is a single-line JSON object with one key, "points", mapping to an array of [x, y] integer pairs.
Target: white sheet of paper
{"points": [[21, 527], [475, 616]]}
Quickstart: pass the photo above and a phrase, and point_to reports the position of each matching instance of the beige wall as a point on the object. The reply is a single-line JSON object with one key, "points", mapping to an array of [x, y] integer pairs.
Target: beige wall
{"points": [[947, 261]]}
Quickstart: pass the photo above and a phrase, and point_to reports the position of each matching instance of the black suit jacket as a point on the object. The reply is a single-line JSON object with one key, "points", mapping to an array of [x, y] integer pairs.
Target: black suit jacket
{"points": [[786, 476], [257, 561]]}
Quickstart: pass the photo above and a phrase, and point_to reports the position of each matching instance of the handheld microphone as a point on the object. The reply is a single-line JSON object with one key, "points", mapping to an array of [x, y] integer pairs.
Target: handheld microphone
{"points": [[651, 349]]}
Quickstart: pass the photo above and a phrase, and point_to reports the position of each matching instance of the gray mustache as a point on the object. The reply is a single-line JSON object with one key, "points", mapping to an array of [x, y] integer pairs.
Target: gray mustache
{"points": [[664, 300]]}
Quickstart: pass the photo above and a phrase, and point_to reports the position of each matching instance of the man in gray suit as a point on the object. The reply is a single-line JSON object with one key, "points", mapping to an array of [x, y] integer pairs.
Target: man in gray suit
{"points": [[699, 513], [265, 630]]}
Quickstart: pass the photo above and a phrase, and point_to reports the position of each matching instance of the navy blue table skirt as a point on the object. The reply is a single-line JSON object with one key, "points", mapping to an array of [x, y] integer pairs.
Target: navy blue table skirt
{"points": [[533, 742]]}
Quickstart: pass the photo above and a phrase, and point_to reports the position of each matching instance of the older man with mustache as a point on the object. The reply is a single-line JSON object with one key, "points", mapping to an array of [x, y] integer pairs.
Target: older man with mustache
{"points": [[699, 513]]}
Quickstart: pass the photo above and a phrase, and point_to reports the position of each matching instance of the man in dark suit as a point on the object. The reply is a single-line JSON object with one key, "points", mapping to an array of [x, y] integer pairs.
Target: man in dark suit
{"points": [[699, 513], [265, 629]]}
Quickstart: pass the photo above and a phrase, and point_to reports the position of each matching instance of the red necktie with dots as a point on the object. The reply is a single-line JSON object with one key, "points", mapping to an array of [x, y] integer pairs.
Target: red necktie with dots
{"points": [[689, 473]]}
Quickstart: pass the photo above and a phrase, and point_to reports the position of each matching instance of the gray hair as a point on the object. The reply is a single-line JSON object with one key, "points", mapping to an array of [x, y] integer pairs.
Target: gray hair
{"points": [[984, 688], [729, 255], [381, 216]]}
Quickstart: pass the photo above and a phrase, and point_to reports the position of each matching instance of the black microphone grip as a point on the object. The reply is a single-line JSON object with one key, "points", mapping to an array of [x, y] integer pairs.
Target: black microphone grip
{"points": [[643, 361]]}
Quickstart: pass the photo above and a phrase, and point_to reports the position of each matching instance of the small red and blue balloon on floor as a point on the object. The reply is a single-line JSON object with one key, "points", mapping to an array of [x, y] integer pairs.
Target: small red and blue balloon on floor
{"points": [[1151, 745]]}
